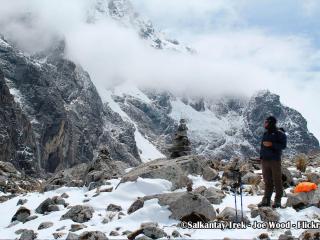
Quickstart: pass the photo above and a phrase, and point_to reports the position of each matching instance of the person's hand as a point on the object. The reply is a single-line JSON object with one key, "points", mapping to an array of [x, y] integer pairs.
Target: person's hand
{"points": [[267, 144]]}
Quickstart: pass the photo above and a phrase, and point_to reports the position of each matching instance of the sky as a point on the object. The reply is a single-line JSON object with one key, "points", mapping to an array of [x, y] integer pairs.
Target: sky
{"points": [[242, 45], [283, 37]]}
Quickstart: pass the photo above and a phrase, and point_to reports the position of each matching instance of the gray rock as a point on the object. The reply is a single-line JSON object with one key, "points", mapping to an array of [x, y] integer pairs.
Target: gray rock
{"points": [[154, 232], [174, 170], [209, 174], [114, 233], [22, 201], [313, 177], [45, 225], [114, 208], [94, 235], [185, 204], [28, 235], [176, 234], [310, 234], [251, 178], [59, 201], [77, 227], [287, 179], [143, 237], [58, 235], [72, 236], [79, 213], [136, 205], [214, 195], [255, 212], [303, 199], [21, 215], [61, 228], [286, 237], [229, 214], [53, 208], [44, 206], [267, 214], [30, 218], [64, 195]]}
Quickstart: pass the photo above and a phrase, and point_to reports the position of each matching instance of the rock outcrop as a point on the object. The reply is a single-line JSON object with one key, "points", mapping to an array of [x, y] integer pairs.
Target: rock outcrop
{"points": [[56, 116], [174, 170]]}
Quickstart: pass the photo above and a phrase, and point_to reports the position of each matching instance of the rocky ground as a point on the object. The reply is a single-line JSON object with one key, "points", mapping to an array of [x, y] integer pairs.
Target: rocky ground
{"points": [[107, 200]]}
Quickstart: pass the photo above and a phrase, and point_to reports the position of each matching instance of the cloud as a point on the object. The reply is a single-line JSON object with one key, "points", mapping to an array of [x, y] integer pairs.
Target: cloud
{"points": [[232, 58]]}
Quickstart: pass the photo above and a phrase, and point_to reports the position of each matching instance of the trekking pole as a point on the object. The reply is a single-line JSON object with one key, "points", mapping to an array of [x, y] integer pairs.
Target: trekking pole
{"points": [[235, 203], [235, 196], [240, 184]]}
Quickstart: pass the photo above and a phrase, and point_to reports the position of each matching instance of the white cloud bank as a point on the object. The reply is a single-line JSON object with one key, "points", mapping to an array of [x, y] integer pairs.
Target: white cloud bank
{"points": [[231, 59]]}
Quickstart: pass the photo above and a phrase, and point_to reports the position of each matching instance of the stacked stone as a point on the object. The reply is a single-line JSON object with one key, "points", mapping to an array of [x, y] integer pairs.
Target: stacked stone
{"points": [[181, 143]]}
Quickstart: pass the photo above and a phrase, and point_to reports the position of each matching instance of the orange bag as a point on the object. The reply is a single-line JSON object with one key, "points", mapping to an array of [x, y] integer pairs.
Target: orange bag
{"points": [[305, 187]]}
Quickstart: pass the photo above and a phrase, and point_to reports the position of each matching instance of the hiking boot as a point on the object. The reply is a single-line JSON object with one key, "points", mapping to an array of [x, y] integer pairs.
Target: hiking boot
{"points": [[276, 205], [264, 203]]}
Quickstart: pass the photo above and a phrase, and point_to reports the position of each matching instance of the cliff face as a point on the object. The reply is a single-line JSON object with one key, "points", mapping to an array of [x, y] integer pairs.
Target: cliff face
{"points": [[17, 143], [64, 111]]}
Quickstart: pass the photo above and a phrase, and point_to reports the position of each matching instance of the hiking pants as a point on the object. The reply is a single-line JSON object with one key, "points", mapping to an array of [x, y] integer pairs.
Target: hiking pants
{"points": [[272, 177]]}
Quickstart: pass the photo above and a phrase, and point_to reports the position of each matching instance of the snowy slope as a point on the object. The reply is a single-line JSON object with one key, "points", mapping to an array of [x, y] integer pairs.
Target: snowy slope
{"points": [[124, 195], [146, 149]]}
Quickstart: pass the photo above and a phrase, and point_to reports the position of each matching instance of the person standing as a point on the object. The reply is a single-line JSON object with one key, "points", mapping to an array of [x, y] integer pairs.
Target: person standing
{"points": [[274, 140]]}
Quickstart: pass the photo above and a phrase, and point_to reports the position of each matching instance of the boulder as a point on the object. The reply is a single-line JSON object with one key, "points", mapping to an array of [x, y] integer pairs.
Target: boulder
{"points": [[71, 177], [214, 195], [94, 235], [44, 206], [72, 236], [21, 215], [22, 201], [310, 234], [114, 208], [77, 227], [58, 235], [267, 214], [209, 174], [174, 170], [313, 177], [103, 168], [114, 233], [28, 235], [251, 178], [176, 234], [154, 232], [64, 195], [150, 230], [45, 225], [303, 199], [136, 205], [185, 205], [229, 214], [79, 213], [287, 179]]}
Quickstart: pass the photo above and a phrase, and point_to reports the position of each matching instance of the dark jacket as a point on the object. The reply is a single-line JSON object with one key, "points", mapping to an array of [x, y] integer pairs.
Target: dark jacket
{"points": [[279, 142]]}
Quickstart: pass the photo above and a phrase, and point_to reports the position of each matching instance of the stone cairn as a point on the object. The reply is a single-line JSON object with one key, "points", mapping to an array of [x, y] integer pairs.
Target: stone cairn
{"points": [[181, 143]]}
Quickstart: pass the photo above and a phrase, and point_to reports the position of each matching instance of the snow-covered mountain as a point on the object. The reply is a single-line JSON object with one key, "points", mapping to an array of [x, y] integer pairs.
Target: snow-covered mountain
{"points": [[124, 13], [58, 119]]}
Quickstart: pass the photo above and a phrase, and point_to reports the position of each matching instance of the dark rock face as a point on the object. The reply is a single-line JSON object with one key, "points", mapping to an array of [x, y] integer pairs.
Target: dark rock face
{"points": [[62, 121], [151, 118], [263, 104], [16, 137]]}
